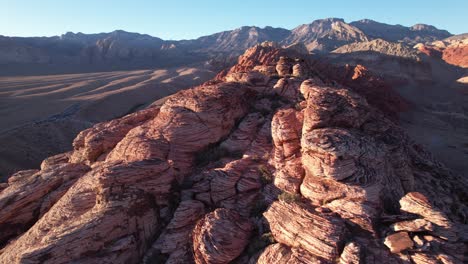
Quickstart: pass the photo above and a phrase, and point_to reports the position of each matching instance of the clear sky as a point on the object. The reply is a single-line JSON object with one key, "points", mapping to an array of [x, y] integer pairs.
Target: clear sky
{"points": [[177, 19]]}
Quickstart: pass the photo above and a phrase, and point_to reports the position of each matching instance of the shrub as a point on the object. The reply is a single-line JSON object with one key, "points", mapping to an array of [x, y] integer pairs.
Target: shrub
{"points": [[289, 197], [255, 158], [156, 257], [210, 154], [298, 107], [265, 175], [259, 243], [259, 207], [215, 153]]}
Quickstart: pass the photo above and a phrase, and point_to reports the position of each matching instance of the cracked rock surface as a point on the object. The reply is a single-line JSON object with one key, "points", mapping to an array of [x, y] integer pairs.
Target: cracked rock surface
{"points": [[273, 161]]}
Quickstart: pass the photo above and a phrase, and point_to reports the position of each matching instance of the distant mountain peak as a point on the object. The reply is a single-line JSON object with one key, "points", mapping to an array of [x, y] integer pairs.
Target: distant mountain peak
{"points": [[330, 19], [324, 35], [396, 33], [424, 27]]}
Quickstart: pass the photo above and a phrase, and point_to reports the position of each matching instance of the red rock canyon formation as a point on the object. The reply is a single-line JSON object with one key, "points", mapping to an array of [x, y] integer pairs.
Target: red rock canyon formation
{"points": [[278, 160]]}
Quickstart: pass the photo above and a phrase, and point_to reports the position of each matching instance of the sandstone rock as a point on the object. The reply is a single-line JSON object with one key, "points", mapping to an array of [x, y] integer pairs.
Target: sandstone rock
{"points": [[220, 236], [54, 160], [452, 51], [398, 242], [328, 106], [418, 225], [279, 253], [299, 71], [344, 152], [284, 67], [266, 55], [232, 186], [177, 232], [76, 227], [235, 146], [185, 126], [95, 141], [286, 132], [456, 55], [298, 226], [265, 69], [418, 241], [417, 203], [241, 139], [248, 78], [287, 88], [30, 195], [351, 254], [135, 170]]}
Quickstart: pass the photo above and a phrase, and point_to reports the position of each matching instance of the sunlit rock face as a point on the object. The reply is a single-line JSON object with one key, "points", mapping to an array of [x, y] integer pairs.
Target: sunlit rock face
{"points": [[273, 161]]}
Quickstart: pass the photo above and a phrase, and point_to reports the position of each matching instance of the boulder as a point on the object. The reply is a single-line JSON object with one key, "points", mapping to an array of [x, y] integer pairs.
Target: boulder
{"points": [[398, 242], [220, 237]]}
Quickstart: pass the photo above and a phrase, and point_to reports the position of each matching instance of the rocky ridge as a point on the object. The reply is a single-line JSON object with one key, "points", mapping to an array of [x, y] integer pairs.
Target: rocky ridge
{"points": [[398, 33], [452, 50], [280, 159], [325, 35], [120, 50], [381, 46]]}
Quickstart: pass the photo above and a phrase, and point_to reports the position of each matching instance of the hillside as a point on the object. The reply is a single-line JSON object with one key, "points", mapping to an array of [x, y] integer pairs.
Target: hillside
{"points": [[280, 159], [398, 33], [380, 46]]}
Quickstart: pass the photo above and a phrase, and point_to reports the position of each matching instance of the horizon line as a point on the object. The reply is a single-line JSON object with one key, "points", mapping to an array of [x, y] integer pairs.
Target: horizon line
{"points": [[209, 34]]}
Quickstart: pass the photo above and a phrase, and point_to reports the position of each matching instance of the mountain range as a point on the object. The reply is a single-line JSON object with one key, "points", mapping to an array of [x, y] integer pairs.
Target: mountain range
{"points": [[120, 50]]}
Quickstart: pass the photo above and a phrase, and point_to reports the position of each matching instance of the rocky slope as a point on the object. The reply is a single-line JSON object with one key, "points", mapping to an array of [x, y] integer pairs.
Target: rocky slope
{"points": [[237, 40], [433, 89], [452, 50], [380, 46], [275, 161], [396, 33], [325, 35]]}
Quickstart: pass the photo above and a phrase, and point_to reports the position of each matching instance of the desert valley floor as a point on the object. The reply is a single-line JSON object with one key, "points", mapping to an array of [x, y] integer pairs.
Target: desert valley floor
{"points": [[40, 115]]}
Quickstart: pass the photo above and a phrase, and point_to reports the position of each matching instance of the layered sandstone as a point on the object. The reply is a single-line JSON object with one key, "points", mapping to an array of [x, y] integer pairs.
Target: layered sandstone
{"points": [[452, 50], [275, 161]]}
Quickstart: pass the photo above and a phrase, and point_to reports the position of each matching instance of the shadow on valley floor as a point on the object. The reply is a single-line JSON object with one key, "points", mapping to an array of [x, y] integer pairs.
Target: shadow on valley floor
{"points": [[41, 115]]}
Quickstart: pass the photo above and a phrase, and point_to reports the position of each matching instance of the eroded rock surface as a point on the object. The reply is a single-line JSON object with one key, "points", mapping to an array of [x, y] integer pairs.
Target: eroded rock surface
{"points": [[280, 159], [220, 237]]}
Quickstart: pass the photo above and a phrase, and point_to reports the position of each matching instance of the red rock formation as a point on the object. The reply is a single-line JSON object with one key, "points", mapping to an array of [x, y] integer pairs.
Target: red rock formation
{"points": [[278, 146], [220, 237], [286, 131], [453, 52], [430, 51], [456, 55], [301, 227]]}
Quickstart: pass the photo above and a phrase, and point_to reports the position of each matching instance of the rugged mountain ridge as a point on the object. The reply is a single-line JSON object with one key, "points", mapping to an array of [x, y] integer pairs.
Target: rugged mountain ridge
{"points": [[382, 47], [398, 33], [325, 35], [277, 160], [237, 40], [120, 50]]}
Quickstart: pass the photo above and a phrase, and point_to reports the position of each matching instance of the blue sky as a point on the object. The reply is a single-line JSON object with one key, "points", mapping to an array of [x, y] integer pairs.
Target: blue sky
{"points": [[176, 19]]}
